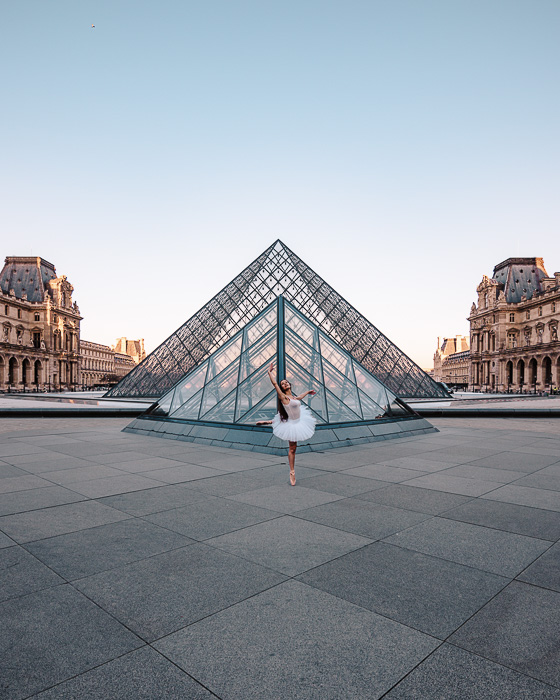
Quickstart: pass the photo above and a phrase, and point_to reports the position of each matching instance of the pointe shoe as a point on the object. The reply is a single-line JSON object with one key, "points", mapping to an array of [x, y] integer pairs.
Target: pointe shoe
{"points": [[293, 478]]}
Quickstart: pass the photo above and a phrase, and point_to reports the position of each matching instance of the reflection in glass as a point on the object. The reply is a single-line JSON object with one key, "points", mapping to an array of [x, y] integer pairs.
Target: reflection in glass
{"points": [[189, 386], [219, 361], [370, 409], [261, 353], [252, 391], [302, 381], [266, 410], [336, 357], [341, 387], [259, 327], [300, 326], [370, 386], [338, 411], [303, 354], [220, 387], [190, 409], [222, 412]]}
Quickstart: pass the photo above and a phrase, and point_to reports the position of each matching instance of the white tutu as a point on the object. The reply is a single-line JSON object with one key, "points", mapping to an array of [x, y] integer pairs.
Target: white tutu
{"points": [[294, 430]]}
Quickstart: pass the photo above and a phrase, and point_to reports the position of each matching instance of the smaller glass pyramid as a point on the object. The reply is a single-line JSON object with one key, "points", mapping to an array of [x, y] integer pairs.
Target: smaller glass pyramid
{"points": [[232, 386]]}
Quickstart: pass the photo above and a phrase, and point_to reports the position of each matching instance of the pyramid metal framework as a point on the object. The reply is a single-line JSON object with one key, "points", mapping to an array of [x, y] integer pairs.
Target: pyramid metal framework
{"points": [[276, 272], [232, 386]]}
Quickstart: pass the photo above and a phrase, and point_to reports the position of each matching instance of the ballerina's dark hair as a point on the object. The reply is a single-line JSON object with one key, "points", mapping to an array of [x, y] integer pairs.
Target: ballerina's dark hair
{"points": [[281, 408]]}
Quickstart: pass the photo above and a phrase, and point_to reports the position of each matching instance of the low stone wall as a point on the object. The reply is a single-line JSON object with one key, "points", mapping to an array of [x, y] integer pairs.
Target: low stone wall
{"points": [[257, 439]]}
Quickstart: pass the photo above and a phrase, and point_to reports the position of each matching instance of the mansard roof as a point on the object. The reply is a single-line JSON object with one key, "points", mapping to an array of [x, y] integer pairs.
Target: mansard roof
{"points": [[520, 277], [27, 275], [277, 271]]}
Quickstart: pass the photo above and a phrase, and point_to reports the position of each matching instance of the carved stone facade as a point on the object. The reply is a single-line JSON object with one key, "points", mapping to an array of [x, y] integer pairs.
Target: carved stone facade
{"points": [[40, 327], [103, 366], [452, 362], [514, 329]]}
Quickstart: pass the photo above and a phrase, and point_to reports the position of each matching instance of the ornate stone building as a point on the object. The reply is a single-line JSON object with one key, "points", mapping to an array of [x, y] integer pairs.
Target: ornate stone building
{"points": [[132, 348], [452, 362], [514, 329], [40, 333], [103, 365]]}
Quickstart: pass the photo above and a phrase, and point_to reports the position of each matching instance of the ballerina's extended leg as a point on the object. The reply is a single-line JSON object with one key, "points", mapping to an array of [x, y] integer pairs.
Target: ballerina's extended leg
{"points": [[292, 460]]}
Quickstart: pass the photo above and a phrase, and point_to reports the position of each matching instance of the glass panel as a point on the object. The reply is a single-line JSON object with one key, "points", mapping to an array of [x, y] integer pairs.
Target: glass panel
{"points": [[190, 409], [370, 386], [219, 387], [225, 356], [369, 408], [222, 412], [262, 352], [302, 381], [192, 383], [339, 412], [336, 357], [303, 354], [252, 391], [397, 408], [300, 326], [260, 326], [341, 387], [266, 410], [161, 408]]}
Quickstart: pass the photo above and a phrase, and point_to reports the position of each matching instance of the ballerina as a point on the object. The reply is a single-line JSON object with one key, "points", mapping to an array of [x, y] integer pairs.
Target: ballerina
{"points": [[293, 421]]}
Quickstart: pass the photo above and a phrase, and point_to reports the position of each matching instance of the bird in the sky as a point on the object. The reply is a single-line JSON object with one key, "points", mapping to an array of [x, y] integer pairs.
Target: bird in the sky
{"points": [[93, 26]]}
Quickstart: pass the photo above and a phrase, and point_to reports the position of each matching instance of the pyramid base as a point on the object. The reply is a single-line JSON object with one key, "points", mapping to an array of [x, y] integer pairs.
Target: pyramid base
{"points": [[253, 439]]}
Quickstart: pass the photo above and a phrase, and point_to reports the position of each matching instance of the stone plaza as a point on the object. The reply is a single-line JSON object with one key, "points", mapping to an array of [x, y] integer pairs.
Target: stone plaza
{"points": [[424, 567]]}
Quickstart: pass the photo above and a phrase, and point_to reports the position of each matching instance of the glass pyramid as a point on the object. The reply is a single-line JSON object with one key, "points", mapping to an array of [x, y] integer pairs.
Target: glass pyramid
{"points": [[277, 271], [232, 386]]}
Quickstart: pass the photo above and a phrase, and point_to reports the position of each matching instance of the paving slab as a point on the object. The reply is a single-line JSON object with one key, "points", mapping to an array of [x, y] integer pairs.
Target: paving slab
{"points": [[538, 480], [146, 464], [526, 496], [241, 482], [211, 517], [545, 571], [518, 629], [162, 594], [421, 463], [33, 499], [381, 472], [484, 548], [371, 520], [281, 644], [288, 544], [414, 498], [8, 471], [451, 673], [58, 520], [454, 484], [523, 520], [110, 486], [143, 674], [77, 474], [21, 573], [401, 584], [48, 462], [343, 484], [182, 473], [285, 498], [6, 541], [52, 635], [12, 448], [516, 461], [22, 483], [96, 549], [153, 500], [469, 471]]}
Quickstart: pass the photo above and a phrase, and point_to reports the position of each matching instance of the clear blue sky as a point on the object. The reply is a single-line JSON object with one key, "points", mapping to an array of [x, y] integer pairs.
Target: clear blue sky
{"points": [[401, 148]]}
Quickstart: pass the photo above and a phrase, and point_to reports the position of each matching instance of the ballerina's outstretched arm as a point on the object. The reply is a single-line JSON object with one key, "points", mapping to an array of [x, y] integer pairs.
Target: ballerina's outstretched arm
{"points": [[281, 395], [302, 396]]}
